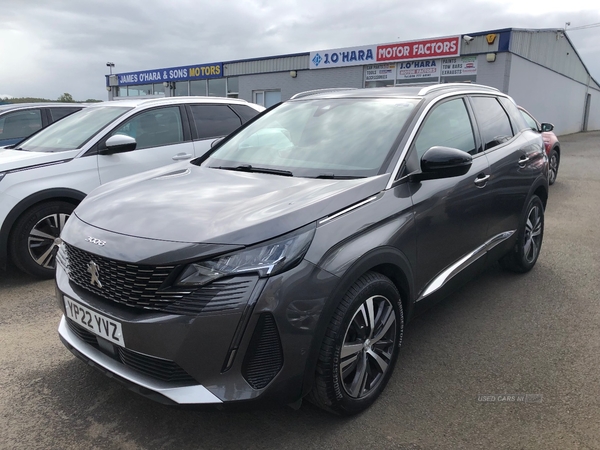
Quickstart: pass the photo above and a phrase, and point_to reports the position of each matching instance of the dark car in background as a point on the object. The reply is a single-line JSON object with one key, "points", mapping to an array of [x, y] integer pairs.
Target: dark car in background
{"points": [[286, 261], [21, 120], [551, 143]]}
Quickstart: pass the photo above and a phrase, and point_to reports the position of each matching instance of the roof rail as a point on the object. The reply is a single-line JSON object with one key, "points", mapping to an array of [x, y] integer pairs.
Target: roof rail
{"points": [[435, 87], [319, 91]]}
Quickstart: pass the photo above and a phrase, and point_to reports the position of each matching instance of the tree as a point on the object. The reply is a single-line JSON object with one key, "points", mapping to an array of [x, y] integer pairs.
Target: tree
{"points": [[66, 97]]}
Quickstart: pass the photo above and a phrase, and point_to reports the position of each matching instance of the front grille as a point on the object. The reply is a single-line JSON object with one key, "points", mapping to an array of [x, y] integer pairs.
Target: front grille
{"points": [[82, 333], [140, 286], [129, 284], [264, 357], [161, 369], [157, 368], [218, 296]]}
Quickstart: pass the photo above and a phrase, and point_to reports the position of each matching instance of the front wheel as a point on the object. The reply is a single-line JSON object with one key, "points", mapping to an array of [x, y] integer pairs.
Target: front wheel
{"points": [[360, 347], [529, 240], [32, 243]]}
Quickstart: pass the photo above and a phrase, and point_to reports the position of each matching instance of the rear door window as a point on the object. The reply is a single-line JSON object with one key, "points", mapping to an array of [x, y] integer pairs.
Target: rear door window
{"points": [[214, 120], [516, 118], [493, 122], [20, 124]]}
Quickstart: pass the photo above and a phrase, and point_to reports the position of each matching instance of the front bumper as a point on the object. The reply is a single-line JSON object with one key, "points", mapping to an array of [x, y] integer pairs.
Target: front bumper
{"points": [[144, 385], [201, 344]]}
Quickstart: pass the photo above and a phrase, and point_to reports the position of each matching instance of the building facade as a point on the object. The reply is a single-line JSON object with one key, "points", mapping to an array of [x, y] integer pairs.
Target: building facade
{"points": [[540, 69]]}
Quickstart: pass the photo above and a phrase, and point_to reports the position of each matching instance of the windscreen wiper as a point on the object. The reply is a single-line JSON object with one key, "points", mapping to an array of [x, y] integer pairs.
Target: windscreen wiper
{"points": [[249, 168], [331, 176]]}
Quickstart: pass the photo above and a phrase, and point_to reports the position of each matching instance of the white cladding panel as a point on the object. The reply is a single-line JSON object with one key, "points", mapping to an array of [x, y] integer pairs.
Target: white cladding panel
{"points": [[550, 49], [305, 80], [552, 97], [495, 74], [266, 65]]}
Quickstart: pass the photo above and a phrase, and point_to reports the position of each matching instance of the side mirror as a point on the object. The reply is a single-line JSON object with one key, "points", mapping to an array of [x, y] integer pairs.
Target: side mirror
{"points": [[547, 127], [119, 143], [216, 141], [443, 162]]}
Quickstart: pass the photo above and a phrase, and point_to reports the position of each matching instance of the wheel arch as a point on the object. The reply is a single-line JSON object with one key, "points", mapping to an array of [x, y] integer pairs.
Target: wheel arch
{"points": [[387, 261], [541, 190], [61, 194]]}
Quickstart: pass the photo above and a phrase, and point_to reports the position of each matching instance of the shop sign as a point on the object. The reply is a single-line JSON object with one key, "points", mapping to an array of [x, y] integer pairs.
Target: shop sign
{"points": [[184, 73], [399, 51], [380, 72], [467, 65], [425, 49], [419, 70]]}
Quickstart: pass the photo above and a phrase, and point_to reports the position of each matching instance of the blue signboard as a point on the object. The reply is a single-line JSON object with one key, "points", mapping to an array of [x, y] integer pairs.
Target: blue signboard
{"points": [[183, 73]]}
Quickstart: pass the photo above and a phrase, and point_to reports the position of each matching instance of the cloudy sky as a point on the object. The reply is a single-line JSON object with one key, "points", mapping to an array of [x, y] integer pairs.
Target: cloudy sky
{"points": [[48, 47]]}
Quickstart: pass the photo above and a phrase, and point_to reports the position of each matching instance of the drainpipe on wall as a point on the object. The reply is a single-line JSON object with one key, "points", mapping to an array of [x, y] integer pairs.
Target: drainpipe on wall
{"points": [[585, 103]]}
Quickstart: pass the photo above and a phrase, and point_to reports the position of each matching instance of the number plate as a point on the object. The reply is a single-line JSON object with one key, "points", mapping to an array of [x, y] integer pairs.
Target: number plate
{"points": [[94, 322]]}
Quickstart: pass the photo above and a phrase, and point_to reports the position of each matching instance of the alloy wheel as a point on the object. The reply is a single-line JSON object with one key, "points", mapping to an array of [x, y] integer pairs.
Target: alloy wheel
{"points": [[533, 237], [41, 240], [553, 168], [368, 346]]}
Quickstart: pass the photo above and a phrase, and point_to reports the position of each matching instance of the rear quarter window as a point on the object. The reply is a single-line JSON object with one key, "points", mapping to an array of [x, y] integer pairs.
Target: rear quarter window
{"points": [[59, 113], [245, 112]]}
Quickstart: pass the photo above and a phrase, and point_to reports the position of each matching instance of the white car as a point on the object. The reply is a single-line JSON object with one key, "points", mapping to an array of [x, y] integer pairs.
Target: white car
{"points": [[44, 178]]}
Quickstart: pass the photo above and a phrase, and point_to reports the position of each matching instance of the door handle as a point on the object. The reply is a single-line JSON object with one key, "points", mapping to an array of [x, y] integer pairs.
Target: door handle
{"points": [[523, 160], [181, 156], [481, 180]]}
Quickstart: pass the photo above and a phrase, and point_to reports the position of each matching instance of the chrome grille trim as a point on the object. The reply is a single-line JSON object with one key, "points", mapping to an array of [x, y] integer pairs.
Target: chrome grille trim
{"points": [[144, 287]]}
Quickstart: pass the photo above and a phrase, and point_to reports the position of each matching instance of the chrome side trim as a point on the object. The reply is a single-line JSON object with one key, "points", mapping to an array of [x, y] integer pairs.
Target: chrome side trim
{"points": [[347, 210], [37, 166], [182, 395], [413, 133], [464, 262]]}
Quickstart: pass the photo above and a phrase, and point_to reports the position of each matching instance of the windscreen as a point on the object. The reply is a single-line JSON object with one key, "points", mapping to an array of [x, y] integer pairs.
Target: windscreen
{"points": [[73, 131], [319, 138]]}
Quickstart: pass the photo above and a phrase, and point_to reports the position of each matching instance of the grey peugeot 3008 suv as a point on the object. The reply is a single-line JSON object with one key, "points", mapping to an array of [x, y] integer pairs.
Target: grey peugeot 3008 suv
{"points": [[286, 262]]}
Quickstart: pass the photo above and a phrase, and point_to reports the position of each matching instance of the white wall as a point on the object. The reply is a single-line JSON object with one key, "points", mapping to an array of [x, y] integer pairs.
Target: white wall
{"points": [[305, 80], [552, 97], [594, 117]]}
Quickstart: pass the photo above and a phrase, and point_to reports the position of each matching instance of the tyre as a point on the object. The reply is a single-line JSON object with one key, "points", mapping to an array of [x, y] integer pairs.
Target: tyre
{"points": [[553, 166], [32, 244], [529, 240], [360, 347]]}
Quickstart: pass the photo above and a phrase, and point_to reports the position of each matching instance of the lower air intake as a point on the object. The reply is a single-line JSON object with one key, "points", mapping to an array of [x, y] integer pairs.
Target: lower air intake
{"points": [[264, 357]]}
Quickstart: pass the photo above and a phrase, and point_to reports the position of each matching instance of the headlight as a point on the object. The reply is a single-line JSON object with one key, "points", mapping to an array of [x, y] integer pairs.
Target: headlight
{"points": [[269, 258]]}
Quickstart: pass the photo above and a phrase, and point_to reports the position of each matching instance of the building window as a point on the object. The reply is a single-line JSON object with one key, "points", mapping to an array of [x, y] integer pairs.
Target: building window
{"points": [[233, 87], [182, 88], [198, 87], [266, 98], [159, 89], [139, 90], [216, 87]]}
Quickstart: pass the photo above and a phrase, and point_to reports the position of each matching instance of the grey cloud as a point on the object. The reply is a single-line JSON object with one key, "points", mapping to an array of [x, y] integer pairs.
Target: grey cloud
{"points": [[74, 39]]}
